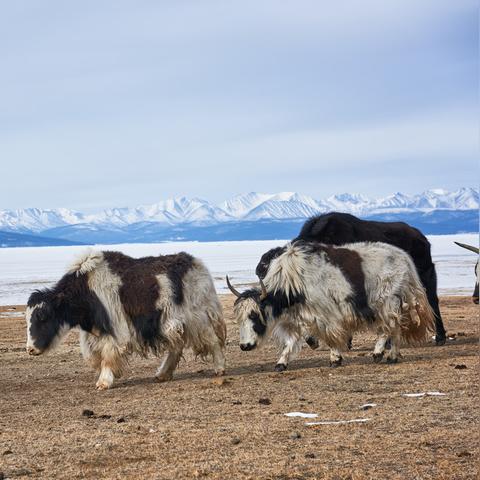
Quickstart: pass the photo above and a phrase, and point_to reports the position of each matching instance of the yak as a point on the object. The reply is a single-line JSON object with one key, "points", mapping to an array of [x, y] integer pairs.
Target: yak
{"points": [[333, 292], [124, 305], [341, 228]]}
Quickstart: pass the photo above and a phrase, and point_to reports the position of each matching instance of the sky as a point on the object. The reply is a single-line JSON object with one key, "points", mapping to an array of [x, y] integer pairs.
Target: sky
{"points": [[121, 103]]}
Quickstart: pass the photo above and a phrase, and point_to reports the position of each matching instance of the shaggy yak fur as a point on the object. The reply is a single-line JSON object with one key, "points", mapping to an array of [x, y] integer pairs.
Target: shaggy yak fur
{"points": [[342, 228], [332, 292], [124, 305]]}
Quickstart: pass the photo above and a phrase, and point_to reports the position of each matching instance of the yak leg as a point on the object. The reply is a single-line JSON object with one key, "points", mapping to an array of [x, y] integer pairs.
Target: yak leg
{"points": [[100, 357], [394, 352], [380, 346], [213, 342], [217, 348], [335, 357], [110, 366], [312, 342], [288, 350], [169, 363], [106, 378], [429, 281], [475, 291], [218, 359]]}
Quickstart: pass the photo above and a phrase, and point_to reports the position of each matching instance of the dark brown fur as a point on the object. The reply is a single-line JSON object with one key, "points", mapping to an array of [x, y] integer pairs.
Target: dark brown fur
{"points": [[140, 289]]}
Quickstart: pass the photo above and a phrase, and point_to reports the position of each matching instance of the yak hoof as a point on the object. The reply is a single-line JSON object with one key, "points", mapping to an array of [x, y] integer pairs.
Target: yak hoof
{"points": [[440, 340], [336, 363], [164, 377], [280, 367], [220, 373], [102, 386], [349, 344], [312, 342], [377, 357], [392, 360]]}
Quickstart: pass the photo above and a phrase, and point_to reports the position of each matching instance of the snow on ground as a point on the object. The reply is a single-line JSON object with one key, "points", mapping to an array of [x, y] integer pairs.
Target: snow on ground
{"points": [[25, 269]]}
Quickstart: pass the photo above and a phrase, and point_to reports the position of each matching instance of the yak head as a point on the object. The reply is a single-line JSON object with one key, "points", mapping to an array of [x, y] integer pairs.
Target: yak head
{"points": [[46, 323], [474, 250], [250, 315]]}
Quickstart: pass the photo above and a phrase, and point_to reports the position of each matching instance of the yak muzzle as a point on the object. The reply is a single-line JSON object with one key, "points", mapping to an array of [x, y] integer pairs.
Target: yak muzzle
{"points": [[246, 347], [33, 351]]}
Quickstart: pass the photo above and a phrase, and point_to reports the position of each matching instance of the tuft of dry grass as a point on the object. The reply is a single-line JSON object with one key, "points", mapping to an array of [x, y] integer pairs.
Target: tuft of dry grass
{"points": [[200, 427]]}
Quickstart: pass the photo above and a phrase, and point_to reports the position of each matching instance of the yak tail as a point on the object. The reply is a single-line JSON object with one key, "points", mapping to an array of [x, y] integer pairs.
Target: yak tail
{"points": [[418, 319], [86, 262]]}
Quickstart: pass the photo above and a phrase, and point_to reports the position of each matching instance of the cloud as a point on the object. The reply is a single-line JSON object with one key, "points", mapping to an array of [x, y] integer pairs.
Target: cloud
{"points": [[442, 135], [123, 103]]}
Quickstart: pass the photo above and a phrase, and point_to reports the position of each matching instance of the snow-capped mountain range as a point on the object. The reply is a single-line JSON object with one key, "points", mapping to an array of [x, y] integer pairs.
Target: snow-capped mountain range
{"points": [[249, 207]]}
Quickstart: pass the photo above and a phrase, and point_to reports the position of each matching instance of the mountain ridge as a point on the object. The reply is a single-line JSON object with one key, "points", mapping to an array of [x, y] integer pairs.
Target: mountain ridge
{"points": [[252, 206]]}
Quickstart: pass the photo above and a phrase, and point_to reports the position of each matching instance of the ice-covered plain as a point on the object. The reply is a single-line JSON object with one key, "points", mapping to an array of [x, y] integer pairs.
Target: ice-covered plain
{"points": [[25, 269]]}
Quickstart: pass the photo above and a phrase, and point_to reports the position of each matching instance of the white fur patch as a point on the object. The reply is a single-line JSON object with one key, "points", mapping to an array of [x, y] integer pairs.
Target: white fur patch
{"points": [[287, 272], [28, 319], [106, 284], [86, 262], [28, 316]]}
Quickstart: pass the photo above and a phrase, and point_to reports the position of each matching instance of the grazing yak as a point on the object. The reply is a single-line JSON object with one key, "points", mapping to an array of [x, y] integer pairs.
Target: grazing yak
{"points": [[125, 305], [474, 250], [333, 292], [341, 228]]}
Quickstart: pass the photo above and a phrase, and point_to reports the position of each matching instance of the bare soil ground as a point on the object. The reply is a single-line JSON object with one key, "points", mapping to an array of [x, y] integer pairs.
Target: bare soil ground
{"points": [[198, 426]]}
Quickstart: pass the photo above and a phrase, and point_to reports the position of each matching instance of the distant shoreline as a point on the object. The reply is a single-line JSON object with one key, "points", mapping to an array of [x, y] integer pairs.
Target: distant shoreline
{"points": [[179, 241]]}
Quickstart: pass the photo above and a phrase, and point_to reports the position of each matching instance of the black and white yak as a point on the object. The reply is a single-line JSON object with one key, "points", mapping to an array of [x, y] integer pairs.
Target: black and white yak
{"points": [[124, 305], [474, 250], [341, 228], [332, 292]]}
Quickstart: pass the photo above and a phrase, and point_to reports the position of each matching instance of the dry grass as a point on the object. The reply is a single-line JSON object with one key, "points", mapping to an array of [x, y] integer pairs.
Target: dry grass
{"points": [[199, 427]]}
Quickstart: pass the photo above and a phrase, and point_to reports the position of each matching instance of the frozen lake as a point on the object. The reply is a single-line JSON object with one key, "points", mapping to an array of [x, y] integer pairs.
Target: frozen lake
{"points": [[25, 269]]}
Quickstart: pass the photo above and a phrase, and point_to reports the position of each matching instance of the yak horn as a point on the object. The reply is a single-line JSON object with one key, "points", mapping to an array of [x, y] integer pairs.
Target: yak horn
{"points": [[468, 247], [264, 290], [233, 290]]}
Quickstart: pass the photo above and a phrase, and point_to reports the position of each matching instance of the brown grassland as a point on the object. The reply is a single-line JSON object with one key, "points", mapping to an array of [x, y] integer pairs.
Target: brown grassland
{"points": [[199, 426]]}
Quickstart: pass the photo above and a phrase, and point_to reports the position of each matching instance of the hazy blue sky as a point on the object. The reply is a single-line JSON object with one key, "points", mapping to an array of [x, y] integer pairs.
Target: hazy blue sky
{"points": [[113, 103]]}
